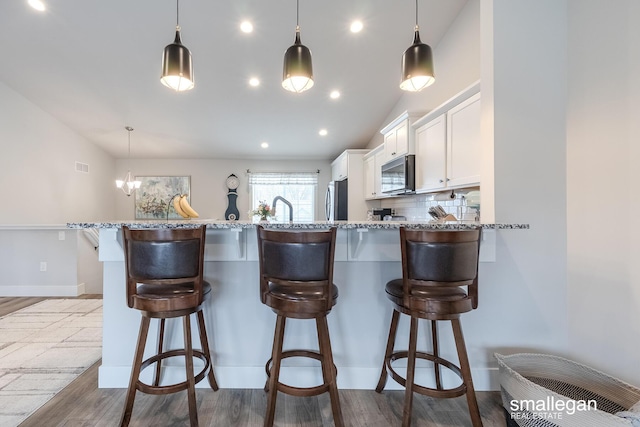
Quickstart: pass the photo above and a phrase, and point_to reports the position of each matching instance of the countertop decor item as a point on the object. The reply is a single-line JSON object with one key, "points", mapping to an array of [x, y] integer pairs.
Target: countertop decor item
{"points": [[127, 184], [264, 211]]}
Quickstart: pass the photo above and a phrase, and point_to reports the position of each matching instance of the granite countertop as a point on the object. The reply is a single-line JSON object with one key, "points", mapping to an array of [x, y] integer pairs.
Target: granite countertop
{"points": [[373, 225]]}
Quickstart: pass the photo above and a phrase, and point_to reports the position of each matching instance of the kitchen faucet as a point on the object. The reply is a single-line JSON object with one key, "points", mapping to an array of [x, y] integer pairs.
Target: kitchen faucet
{"points": [[286, 202]]}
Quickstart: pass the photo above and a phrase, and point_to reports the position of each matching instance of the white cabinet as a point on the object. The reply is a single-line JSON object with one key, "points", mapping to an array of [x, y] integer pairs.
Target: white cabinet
{"points": [[340, 167], [398, 141], [349, 165], [463, 143], [372, 173], [448, 144], [431, 155]]}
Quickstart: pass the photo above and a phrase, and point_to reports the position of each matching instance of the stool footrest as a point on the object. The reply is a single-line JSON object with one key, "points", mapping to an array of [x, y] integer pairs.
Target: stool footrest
{"points": [[172, 388], [300, 391], [427, 391]]}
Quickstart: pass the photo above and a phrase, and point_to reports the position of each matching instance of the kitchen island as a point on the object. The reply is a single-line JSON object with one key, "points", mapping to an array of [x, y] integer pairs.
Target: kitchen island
{"points": [[241, 328]]}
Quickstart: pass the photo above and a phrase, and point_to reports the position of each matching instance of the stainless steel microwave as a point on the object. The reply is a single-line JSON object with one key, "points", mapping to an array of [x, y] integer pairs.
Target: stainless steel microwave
{"points": [[399, 175]]}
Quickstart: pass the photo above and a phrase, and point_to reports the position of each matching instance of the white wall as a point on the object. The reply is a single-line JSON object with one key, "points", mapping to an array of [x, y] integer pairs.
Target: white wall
{"points": [[38, 168], [523, 294], [603, 153], [40, 186], [208, 188]]}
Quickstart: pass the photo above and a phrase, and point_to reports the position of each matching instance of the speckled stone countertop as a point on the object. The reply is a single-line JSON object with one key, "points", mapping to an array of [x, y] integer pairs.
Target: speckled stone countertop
{"points": [[372, 225]]}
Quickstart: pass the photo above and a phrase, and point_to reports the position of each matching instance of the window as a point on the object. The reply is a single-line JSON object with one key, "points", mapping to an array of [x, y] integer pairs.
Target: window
{"points": [[299, 188]]}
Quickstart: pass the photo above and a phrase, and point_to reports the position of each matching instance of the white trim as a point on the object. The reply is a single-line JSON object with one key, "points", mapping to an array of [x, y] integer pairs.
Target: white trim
{"points": [[42, 291]]}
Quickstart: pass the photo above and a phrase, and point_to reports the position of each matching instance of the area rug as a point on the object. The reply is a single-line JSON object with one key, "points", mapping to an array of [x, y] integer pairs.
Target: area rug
{"points": [[43, 348]]}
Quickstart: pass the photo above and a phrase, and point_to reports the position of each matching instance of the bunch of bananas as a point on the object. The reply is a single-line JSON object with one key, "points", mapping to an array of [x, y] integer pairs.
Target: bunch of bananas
{"points": [[181, 205]]}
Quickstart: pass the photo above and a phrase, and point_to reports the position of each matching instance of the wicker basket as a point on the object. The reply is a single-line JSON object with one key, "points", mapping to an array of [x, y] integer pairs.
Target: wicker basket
{"points": [[540, 390]]}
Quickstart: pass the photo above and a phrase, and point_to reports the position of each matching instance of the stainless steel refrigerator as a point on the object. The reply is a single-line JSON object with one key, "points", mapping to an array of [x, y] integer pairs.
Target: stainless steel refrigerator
{"points": [[336, 201]]}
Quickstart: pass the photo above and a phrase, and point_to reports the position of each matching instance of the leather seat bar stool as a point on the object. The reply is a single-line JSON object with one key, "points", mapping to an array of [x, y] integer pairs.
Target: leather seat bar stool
{"points": [[439, 282], [165, 279], [296, 281]]}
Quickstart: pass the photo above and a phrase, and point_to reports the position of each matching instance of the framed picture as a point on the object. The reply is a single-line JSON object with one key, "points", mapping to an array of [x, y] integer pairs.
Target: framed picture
{"points": [[155, 192]]}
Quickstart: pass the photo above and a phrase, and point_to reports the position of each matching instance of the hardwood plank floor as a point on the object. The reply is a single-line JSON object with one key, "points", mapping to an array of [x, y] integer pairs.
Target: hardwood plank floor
{"points": [[82, 404]]}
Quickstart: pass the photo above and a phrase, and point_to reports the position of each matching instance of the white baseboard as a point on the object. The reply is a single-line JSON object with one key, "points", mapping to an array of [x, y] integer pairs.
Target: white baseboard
{"points": [[484, 379], [42, 291]]}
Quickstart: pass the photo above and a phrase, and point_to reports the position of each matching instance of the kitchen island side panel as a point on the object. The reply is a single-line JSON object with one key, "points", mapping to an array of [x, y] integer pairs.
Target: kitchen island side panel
{"points": [[240, 327]]}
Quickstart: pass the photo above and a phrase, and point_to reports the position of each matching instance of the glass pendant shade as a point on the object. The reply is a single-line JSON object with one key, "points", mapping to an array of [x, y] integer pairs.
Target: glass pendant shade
{"points": [[417, 66], [177, 67], [297, 73], [128, 185]]}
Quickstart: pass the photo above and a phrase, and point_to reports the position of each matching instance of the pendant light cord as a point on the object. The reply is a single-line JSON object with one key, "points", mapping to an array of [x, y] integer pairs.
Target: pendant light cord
{"points": [[177, 14], [129, 129], [416, 15], [297, 16]]}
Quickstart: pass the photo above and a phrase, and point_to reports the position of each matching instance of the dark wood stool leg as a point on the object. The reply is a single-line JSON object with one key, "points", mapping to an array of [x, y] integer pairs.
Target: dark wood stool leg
{"points": [[411, 370], [328, 373], [204, 341], [276, 356], [188, 358], [387, 355], [156, 381], [436, 365], [135, 371], [474, 411]]}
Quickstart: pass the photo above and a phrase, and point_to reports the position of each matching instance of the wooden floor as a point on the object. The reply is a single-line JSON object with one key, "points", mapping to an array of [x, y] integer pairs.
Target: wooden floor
{"points": [[83, 404]]}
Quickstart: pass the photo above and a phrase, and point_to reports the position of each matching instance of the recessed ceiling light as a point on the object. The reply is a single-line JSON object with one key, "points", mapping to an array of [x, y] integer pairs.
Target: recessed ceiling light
{"points": [[264, 145], [254, 81], [246, 27], [37, 5], [356, 26], [323, 132], [335, 94]]}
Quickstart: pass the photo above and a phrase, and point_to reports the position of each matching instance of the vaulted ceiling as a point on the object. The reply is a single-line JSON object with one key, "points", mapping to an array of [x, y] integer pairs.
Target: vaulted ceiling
{"points": [[95, 66]]}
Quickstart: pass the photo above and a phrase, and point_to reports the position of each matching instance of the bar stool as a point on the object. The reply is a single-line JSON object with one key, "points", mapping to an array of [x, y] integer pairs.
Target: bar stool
{"points": [[164, 269], [437, 266], [296, 281]]}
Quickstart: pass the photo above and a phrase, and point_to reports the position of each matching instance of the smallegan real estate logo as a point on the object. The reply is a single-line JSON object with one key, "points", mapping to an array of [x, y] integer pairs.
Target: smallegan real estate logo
{"points": [[550, 408]]}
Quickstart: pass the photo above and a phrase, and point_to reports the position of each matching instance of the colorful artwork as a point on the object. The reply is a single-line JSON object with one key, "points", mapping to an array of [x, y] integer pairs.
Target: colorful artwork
{"points": [[155, 193]]}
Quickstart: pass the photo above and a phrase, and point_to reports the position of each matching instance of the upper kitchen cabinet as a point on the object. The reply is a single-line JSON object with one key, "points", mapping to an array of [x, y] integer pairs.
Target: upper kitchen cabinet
{"points": [[348, 164], [448, 144], [372, 173], [398, 140]]}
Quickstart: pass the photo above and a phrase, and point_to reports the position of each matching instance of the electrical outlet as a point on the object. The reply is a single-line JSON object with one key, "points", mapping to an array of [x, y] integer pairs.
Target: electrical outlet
{"points": [[43, 266], [61, 235]]}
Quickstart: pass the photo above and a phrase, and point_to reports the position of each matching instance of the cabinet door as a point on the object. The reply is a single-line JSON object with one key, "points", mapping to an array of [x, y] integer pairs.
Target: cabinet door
{"points": [[340, 168], [463, 143], [389, 145], [377, 174], [396, 142], [369, 178], [431, 145], [402, 140]]}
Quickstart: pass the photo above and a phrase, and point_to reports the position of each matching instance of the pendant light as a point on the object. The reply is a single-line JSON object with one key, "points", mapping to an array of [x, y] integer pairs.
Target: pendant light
{"points": [[297, 73], [417, 64], [128, 185], [177, 68]]}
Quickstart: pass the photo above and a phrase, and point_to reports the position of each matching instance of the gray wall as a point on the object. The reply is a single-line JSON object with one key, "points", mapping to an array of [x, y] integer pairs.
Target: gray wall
{"points": [[40, 186], [208, 189]]}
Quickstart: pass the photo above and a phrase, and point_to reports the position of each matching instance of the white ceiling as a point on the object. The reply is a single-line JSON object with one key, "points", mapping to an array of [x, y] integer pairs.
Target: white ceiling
{"points": [[95, 66]]}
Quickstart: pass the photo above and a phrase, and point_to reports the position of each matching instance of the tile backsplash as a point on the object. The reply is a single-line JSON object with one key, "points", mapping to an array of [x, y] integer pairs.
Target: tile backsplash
{"points": [[415, 207]]}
